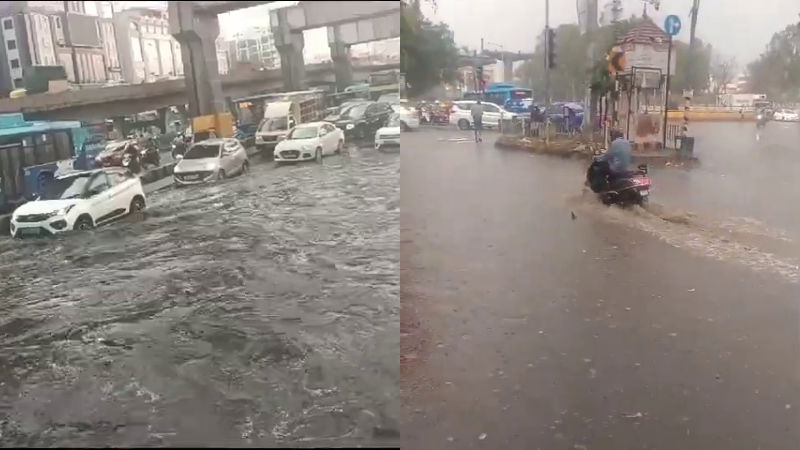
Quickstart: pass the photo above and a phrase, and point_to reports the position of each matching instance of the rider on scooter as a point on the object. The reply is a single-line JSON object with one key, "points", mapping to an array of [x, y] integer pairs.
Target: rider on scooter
{"points": [[618, 155]]}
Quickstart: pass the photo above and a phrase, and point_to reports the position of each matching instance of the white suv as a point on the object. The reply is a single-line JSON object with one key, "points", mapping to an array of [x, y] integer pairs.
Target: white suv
{"points": [[492, 114], [79, 201]]}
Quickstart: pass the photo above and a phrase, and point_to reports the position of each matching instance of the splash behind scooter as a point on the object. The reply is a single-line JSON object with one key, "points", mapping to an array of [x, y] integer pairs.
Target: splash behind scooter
{"points": [[631, 189]]}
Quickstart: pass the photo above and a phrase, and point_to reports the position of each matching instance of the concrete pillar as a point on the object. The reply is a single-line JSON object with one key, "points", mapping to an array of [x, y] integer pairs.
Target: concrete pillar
{"points": [[508, 69], [119, 128], [162, 119], [197, 33], [290, 47], [340, 55]]}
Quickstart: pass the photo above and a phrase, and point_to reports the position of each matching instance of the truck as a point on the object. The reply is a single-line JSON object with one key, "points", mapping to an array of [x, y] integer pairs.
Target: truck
{"points": [[742, 100], [284, 111]]}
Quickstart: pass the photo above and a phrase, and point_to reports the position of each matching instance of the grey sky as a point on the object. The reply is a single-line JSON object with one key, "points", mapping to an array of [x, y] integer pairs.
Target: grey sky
{"points": [[740, 28]]}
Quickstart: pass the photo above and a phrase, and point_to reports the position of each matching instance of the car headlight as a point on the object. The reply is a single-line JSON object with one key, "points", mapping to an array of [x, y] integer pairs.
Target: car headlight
{"points": [[349, 126], [64, 211]]}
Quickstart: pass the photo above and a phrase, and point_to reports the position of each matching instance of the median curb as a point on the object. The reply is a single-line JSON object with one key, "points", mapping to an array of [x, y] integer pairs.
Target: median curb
{"points": [[575, 149]]}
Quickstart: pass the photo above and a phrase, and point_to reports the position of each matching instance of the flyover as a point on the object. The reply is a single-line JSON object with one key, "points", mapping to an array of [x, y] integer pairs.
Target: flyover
{"points": [[103, 103], [195, 26], [491, 57]]}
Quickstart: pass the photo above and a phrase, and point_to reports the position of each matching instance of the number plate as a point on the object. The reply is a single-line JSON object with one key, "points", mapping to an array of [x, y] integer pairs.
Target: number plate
{"points": [[191, 177], [644, 192], [29, 231]]}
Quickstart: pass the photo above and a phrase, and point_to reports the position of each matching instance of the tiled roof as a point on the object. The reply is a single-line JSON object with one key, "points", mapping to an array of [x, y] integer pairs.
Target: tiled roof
{"points": [[645, 33]]}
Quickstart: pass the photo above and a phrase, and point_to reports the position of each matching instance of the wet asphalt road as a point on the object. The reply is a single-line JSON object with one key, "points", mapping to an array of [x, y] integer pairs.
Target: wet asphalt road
{"points": [[670, 328], [261, 311]]}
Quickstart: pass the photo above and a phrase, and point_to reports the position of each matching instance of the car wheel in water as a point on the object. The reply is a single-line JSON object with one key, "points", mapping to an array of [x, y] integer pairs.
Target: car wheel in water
{"points": [[83, 223], [220, 175], [137, 204], [463, 124], [339, 146], [245, 167], [404, 127], [318, 156]]}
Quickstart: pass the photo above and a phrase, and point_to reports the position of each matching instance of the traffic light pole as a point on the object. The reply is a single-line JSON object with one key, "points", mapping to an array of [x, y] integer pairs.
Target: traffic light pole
{"points": [[547, 53]]}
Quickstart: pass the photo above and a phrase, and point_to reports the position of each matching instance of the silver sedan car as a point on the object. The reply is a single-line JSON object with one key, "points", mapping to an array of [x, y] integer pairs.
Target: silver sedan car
{"points": [[209, 160]]}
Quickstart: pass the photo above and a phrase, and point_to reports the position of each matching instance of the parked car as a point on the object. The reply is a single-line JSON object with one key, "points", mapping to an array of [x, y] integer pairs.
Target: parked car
{"points": [[362, 120], [309, 141], [392, 99], [79, 201], [209, 160], [128, 153], [389, 135], [461, 115], [786, 115], [409, 118]]}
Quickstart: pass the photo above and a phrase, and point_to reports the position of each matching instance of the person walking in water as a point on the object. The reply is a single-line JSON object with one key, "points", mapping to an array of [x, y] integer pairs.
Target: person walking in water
{"points": [[477, 119]]}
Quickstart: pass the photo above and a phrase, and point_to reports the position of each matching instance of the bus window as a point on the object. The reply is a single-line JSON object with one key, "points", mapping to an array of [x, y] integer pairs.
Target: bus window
{"points": [[519, 94], [44, 150], [63, 145]]}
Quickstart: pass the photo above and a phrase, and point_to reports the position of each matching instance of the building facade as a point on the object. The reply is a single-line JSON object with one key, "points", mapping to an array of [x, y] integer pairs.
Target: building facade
{"points": [[255, 46], [147, 52], [43, 33]]}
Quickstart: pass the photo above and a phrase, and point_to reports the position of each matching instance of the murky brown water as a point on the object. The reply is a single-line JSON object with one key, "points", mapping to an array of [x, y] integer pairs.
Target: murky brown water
{"points": [[261, 311]]}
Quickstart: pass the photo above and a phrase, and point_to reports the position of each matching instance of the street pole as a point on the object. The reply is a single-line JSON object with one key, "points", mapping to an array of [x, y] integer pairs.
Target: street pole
{"points": [[547, 52], [666, 96]]}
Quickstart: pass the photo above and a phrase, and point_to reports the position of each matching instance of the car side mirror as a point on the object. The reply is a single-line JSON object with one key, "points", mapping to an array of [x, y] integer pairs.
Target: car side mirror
{"points": [[178, 157]]}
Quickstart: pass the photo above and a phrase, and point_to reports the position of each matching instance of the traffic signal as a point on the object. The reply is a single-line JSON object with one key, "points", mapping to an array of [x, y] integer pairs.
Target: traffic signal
{"points": [[479, 75], [551, 48]]}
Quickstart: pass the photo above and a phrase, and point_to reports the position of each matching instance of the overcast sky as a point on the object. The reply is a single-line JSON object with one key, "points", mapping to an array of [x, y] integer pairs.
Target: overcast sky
{"points": [[740, 28]]}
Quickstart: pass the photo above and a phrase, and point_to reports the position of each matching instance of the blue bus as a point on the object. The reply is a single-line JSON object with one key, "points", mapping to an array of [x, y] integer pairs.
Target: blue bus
{"points": [[33, 152], [510, 97]]}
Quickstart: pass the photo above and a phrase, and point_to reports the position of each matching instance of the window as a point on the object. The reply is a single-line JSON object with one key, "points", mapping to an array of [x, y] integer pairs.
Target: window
{"points": [[8, 24], [490, 108], [98, 185], [12, 44], [15, 63], [117, 178]]}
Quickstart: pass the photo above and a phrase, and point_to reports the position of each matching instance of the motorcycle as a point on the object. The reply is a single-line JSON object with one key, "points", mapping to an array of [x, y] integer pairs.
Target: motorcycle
{"points": [[631, 189]]}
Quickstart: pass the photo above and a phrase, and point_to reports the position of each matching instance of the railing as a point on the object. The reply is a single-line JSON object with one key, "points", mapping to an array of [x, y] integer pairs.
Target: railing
{"points": [[673, 132]]}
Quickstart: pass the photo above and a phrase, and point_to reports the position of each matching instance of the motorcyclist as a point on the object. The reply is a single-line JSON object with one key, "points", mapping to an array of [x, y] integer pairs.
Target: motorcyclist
{"points": [[618, 155]]}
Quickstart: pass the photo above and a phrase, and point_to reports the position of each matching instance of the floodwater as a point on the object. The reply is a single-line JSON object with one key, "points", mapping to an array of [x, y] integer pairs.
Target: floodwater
{"points": [[534, 317], [260, 311]]}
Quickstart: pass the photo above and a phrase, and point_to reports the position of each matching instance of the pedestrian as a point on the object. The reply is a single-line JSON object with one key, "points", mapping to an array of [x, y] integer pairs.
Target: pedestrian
{"points": [[477, 119]]}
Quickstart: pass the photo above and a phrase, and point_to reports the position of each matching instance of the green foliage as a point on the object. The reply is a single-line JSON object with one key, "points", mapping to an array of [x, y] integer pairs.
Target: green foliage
{"points": [[428, 54], [568, 79], [777, 71]]}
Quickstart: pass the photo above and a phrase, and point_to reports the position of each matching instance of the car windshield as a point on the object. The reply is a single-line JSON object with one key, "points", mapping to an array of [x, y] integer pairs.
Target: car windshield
{"points": [[202, 151], [274, 124], [303, 133], [65, 188], [115, 146], [390, 98], [355, 111]]}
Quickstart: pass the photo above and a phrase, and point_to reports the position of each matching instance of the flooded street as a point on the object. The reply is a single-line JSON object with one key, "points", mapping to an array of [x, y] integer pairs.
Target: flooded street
{"points": [[534, 317], [260, 311]]}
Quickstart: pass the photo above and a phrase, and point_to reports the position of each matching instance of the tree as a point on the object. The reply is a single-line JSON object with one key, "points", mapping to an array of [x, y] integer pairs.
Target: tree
{"points": [[428, 54], [571, 65], [722, 70], [777, 71]]}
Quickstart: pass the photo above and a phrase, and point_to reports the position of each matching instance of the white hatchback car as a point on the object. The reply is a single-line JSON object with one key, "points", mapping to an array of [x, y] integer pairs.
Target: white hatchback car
{"points": [[310, 141], [492, 114], [409, 118], [79, 201], [388, 135], [212, 159], [786, 115]]}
